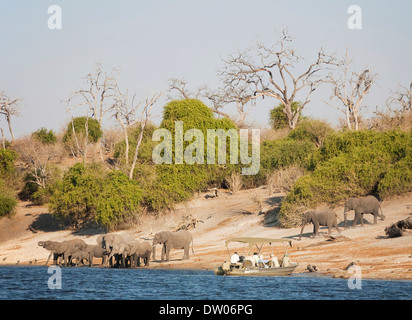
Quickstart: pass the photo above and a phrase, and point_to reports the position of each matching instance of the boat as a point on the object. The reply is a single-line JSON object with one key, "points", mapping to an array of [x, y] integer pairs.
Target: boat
{"points": [[263, 267]]}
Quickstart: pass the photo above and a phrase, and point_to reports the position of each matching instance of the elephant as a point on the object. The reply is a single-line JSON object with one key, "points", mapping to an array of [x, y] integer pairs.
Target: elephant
{"points": [[320, 218], [116, 245], [361, 206], [137, 250], [96, 251], [54, 248], [173, 240], [80, 256], [65, 249]]}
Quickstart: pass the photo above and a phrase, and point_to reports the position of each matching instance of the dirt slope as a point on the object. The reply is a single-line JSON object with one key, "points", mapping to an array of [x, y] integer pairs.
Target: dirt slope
{"points": [[229, 216]]}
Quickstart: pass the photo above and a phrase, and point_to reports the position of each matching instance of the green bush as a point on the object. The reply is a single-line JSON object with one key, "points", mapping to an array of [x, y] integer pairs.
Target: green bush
{"points": [[44, 136], [314, 131], [88, 194], [285, 152], [146, 147], [398, 179], [7, 158], [94, 130], [7, 201], [352, 164], [181, 180], [278, 119]]}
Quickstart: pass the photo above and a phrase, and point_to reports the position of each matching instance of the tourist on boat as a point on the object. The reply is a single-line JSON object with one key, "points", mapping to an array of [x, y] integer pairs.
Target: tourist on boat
{"points": [[286, 261], [234, 258], [256, 258], [274, 260]]}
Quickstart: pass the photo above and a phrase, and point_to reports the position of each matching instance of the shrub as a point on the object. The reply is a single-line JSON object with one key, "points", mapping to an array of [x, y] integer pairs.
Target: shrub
{"points": [[169, 184], [398, 179], [285, 152], [7, 201], [146, 147], [278, 119], [314, 131], [7, 158], [88, 194], [44, 136], [352, 164], [94, 130]]}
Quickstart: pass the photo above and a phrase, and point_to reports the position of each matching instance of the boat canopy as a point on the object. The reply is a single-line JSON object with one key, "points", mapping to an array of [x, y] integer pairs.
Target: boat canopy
{"points": [[255, 241]]}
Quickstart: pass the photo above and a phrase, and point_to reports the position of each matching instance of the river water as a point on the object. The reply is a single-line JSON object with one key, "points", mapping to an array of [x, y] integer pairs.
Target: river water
{"points": [[86, 283]]}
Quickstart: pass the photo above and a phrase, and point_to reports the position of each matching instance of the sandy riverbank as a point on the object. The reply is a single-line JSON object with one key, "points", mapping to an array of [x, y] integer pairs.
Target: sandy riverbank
{"points": [[232, 216]]}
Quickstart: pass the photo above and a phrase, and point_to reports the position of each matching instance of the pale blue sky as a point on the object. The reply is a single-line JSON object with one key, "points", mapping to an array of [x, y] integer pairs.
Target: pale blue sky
{"points": [[153, 41]]}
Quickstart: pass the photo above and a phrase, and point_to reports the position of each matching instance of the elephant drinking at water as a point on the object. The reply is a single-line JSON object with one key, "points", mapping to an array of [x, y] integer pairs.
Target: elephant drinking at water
{"points": [[173, 240]]}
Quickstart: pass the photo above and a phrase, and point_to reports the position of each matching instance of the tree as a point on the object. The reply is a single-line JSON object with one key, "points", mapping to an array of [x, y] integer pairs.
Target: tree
{"points": [[99, 93], [271, 74], [9, 107], [350, 88], [278, 119], [401, 99], [144, 119], [180, 86]]}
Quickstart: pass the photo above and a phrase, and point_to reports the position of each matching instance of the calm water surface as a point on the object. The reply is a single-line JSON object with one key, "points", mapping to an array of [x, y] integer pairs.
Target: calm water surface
{"points": [[101, 283]]}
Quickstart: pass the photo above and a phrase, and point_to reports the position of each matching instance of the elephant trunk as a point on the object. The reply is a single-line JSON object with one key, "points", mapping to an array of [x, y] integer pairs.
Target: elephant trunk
{"points": [[154, 251]]}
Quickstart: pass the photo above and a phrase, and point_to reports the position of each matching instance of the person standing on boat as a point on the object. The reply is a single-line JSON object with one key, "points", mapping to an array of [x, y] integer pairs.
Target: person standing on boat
{"points": [[274, 261]]}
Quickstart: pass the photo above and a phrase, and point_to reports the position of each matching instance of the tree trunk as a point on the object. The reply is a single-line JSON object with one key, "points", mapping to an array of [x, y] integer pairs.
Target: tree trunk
{"points": [[11, 131]]}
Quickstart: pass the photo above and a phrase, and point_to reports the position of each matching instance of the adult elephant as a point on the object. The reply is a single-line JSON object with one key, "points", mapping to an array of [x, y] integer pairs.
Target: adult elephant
{"points": [[96, 251], [320, 218], [139, 250], [65, 248], [54, 248], [173, 240], [116, 245], [361, 206]]}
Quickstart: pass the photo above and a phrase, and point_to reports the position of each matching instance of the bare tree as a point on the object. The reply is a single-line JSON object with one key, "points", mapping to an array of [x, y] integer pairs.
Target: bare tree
{"points": [[144, 119], [9, 107], [401, 99], [99, 94], [125, 114], [271, 74], [350, 88], [241, 95], [180, 86]]}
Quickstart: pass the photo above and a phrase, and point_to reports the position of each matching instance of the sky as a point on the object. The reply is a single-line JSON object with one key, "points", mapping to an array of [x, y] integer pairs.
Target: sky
{"points": [[153, 41]]}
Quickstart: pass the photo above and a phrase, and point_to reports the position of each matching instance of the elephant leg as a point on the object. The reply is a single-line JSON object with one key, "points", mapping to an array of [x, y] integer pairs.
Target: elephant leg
{"points": [[375, 216], [355, 219], [361, 217], [167, 254], [163, 252], [336, 227], [186, 253], [315, 229]]}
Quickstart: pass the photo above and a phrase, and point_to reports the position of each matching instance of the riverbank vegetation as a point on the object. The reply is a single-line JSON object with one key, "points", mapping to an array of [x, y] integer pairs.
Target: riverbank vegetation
{"points": [[90, 175]]}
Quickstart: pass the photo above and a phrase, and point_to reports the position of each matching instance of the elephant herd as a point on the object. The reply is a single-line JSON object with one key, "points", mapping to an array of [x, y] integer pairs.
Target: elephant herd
{"points": [[124, 248], [328, 217]]}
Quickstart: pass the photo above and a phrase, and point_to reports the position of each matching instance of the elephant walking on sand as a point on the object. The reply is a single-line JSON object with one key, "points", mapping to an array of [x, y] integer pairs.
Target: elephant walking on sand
{"points": [[173, 240], [361, 206], [320, 218]]}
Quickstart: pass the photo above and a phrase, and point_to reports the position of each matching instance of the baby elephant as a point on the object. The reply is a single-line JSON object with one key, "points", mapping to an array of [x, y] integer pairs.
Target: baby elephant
{"points": [[320, 218]]}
